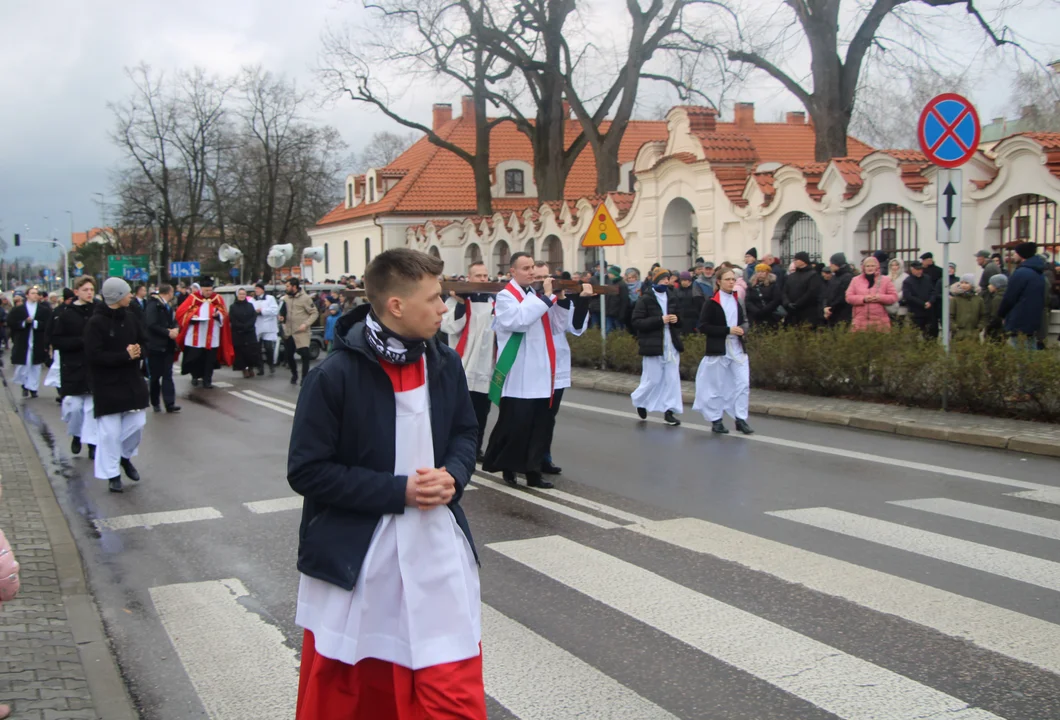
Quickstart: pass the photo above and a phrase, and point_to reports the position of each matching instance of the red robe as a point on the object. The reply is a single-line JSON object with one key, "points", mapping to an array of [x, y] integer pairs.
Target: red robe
{"points": [[190, 308]]}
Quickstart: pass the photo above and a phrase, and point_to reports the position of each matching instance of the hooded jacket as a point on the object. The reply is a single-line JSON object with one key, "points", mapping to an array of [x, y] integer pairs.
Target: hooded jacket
{"points": [[341, 456], [649, 326], [1024, 301], [68, 337], [117, 384]]}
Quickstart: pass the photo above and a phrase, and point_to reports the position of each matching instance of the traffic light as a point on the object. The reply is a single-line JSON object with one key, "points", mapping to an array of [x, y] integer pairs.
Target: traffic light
{"points": [[18, 240]]}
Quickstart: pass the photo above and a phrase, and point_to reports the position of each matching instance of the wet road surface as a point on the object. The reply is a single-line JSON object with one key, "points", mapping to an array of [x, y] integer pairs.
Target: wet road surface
{"points": [[807, 572]]}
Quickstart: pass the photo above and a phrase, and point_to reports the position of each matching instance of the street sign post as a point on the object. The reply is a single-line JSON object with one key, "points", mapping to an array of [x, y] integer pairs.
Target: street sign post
{"points": [[184, 269], [603, 233], [948, 132], [116, 264]]}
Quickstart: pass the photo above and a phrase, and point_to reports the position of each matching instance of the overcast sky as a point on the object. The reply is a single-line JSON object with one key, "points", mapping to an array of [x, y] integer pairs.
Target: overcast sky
{"points": [[61, 61]]}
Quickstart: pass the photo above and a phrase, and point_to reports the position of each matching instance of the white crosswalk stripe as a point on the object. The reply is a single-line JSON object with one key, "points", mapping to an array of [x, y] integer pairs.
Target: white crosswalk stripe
{"points": [[146, 520], [825, 676], [1006, 519], [1012, 565]]}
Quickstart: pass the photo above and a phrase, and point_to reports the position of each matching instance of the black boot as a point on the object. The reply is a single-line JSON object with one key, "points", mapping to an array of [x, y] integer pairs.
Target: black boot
{"points": [[671, 418], [91, 451], [719, 427], [534, 480], [114, 484], [743, 427], [509, 477], [294, 379], [172, 408], [195, 382], [130, 471], [642, 413], [75, 445]]}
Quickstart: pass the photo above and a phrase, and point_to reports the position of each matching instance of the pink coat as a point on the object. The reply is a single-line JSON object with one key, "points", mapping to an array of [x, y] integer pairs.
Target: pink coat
{"points": [[871, 316], [8, 571]]}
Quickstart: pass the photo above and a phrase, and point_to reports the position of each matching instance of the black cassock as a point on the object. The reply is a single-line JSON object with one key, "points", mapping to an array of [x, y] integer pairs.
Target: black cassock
{"points": [[16, 320]]}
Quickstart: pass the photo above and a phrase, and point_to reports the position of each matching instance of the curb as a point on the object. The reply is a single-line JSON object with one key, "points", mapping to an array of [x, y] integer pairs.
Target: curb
{"points": [[110, 697], [1026, 444]]}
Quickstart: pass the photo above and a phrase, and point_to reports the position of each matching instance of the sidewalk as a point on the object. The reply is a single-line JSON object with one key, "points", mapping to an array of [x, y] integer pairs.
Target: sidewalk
{"points": [[1018, 435], [55, 661]]}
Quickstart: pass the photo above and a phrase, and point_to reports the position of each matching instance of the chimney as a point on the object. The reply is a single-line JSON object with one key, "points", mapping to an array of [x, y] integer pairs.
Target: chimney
{"points": [[1028, 111], [467, 107], [443, 113], [796, 118], [744, 115]]}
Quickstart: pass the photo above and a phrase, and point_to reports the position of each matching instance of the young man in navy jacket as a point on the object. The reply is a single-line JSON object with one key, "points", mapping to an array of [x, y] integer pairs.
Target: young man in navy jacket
{"points": [[382, 447]]}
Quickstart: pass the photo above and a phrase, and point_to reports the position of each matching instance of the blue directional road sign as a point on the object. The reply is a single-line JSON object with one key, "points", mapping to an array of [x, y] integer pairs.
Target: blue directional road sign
{"points": [[949, 130], [184, 269], [136, 274]]}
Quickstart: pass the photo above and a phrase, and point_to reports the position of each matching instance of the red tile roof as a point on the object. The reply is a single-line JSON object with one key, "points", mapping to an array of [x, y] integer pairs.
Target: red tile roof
{"points": [[766, 185], [1050, 143]]}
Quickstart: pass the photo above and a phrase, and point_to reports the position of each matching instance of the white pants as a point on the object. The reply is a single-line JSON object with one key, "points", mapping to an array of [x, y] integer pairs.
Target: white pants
{"points": [[80, 419], [119, 438], [660, 385], [28, 376], [723, 384]]}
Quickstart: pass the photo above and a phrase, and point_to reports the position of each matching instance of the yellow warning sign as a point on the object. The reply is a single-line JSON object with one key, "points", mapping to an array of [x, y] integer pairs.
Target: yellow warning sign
{"points": [[602, 230]]}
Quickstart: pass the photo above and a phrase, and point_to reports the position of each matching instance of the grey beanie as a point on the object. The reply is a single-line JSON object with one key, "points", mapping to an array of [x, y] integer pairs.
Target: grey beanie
{"points": [[999, 281], [838, 259], [114, 289], [968, 278]]}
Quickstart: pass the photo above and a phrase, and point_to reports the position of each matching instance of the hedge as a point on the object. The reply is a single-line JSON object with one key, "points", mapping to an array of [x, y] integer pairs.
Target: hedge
{"points": [[897, 367]]}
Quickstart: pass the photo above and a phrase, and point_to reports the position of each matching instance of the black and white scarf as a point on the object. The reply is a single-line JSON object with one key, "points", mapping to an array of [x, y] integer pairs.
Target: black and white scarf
{"points": [[390, 346]]}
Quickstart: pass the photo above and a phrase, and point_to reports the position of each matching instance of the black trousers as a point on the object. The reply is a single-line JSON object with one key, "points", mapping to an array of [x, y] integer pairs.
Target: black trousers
{"points": [[160, 368], [520, 437], [292, 353], [481, 403], [928, 324], [270, 353], [557, 398]]}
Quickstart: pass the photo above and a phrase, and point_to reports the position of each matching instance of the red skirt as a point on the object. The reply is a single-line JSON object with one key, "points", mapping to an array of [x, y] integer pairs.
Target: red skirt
{"points": [[378, 690]]}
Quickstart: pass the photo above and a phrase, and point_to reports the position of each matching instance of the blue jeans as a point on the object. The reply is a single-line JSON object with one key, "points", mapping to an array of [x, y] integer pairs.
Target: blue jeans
{"points": [[614, 324], [1023, 342]]}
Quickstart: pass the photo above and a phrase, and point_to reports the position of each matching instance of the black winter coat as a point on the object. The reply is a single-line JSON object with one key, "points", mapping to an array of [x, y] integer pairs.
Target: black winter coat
{"points": [[802, 291], [117, 384], [617, 305], [915, 292], [842, 312], [242, 316], [68, 337], [159, 319], [648, 324], [762, 302], [16, 321], [713, 324], [689, 306], [341, 457]]}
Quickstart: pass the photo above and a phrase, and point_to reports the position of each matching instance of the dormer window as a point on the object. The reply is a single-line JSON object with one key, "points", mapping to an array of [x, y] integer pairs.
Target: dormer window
{"points": [[371, 191], [513, 182], [349, 195]]}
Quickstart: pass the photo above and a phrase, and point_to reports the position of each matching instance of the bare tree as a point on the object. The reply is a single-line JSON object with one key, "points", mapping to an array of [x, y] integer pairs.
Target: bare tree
{"points": [[1035, 99], [837, 61], [424, 38], [383, 149], [887, 107]]}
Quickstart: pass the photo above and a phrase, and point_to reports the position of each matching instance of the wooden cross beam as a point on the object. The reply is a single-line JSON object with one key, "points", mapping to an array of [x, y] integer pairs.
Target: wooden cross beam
{"points": [[465, 288]]}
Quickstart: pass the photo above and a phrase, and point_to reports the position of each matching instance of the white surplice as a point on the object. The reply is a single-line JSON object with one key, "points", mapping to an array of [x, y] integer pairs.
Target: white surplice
{"points": [[416, 602], [660, 375], [723, 382], [518, 310], [478, 357], [200, 334]]}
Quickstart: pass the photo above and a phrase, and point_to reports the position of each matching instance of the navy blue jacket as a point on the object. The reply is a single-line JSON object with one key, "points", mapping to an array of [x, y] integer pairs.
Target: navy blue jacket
{"points": [[341, 457], [1024, 300]]}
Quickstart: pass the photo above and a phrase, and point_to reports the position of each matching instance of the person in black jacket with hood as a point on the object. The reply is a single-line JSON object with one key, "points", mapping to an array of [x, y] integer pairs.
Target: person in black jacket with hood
{"points": [[161, 324], [68, 338], [382, 446], [918, 294], [802, 290], [114, 344], [657, 326], [836, 309]]}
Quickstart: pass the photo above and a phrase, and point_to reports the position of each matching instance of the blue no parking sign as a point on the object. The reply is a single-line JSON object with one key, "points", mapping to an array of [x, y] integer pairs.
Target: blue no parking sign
{"points": [[949, 130]]}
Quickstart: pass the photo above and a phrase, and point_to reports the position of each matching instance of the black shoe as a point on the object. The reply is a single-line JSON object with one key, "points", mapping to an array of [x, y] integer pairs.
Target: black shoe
{"points": [[534, 480], [719, 427], [743, 427], [272, 370], [33, 393], [509, 477], [91, 451], [75, 445], [114, 484], [130, 471], [195, 382], [670, 418], [480, 458], [207, 385], [25, 393], [156, 408], [294, 379], [642, 413], [261, 372], [59, 400], [550, 469], [172, 408]]}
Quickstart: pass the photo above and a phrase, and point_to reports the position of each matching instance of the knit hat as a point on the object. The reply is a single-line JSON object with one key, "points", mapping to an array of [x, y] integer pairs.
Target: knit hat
{"points": [[68, 294], [953, 266], [614, 272], [753, 252], [968, 278], [882, 257], [707, 265], [804, 256], [999, 281], [762, 267], [838, 259], [983, 254], [114, 289], [685, 275], [1027, 250], [659, 274]]}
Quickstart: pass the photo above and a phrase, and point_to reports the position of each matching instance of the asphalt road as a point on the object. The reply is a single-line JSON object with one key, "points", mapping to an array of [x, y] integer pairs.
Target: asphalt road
{"points": [[808, 572]]}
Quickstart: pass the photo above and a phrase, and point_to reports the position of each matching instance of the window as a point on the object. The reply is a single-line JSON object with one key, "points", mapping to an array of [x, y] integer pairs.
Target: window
{"points": [[1023, 227], [367, 251], [371, 191], [513, 182], [889, 240], [349, 195], [327, 259], [346, 256]]}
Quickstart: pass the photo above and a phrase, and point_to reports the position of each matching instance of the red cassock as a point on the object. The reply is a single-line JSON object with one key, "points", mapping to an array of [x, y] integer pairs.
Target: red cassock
{"points": [[190, 308]]}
